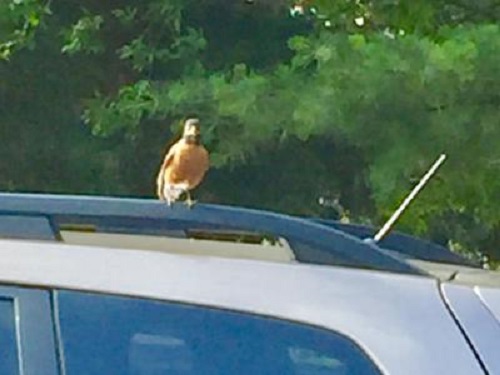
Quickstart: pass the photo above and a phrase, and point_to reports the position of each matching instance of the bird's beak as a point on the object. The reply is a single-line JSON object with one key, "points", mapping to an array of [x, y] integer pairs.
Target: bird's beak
{"points": [[192, 131]]}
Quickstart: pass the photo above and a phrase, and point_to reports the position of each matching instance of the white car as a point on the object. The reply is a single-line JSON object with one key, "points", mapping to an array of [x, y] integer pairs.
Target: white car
{"points": [[93, 286]]}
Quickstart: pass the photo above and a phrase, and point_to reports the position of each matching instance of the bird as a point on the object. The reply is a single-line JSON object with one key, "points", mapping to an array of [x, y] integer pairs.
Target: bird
{"points": [[184, 165]]}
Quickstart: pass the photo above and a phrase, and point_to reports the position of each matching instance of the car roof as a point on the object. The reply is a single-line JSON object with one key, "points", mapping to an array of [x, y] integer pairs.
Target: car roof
{"points": [[405, 311], [227, 231]]}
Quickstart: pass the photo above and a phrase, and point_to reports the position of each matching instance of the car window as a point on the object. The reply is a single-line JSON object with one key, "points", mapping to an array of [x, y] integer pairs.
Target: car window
{"points": [[117, 335], [9, 363]]}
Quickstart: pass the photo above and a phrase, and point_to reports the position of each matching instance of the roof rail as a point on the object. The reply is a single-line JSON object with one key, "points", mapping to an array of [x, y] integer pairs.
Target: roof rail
{"points": [[41, 216], [403, 243]]}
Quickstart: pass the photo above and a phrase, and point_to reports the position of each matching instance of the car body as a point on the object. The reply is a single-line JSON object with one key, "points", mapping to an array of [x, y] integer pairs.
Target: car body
{"points": [[140, 288]]}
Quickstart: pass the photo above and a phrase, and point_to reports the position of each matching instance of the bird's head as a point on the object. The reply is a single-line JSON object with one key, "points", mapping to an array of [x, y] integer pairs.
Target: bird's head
{"points": [[192, 131]]}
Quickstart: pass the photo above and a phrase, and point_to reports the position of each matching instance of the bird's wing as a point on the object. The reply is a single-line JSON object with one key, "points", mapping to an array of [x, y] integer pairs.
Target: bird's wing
{"points": [[206, 157], [160, 180]]}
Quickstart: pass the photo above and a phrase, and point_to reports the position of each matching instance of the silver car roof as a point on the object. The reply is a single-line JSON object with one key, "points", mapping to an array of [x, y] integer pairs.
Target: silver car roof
{"points": [[399, 320]]}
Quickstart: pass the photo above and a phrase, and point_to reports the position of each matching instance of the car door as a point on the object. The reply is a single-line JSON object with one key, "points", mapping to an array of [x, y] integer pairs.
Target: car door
{"points": [[27, 344]]}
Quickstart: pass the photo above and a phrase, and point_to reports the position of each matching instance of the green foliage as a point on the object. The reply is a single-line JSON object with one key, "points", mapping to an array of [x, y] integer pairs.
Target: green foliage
{"points": [[403, 16], [19, 19], [404, 101], [83, 35], [134, 103]]}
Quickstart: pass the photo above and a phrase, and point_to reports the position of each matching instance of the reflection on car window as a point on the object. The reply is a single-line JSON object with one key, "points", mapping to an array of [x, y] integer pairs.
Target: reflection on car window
{"points": [[118, 335], [8, 343], [308, 361]]}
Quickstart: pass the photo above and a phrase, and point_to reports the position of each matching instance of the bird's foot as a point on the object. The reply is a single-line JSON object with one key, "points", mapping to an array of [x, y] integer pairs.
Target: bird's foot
{"points": [[190, 203]]}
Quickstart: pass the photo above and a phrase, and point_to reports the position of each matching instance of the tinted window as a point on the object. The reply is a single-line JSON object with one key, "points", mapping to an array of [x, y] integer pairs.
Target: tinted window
{"points": [[115, 335], [8, 344]]}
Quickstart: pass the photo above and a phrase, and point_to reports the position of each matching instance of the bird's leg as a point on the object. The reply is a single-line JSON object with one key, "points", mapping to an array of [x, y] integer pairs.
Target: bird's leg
{"points": [[166, 196], [169, 202], [190, 203]]}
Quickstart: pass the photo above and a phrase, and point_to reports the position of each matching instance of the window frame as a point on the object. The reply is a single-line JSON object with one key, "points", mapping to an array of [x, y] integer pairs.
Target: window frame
{"points": [[34, 327]]}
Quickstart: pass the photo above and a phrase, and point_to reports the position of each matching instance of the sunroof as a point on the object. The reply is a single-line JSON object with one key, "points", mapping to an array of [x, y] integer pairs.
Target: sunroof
{"points": [[278, 251]]}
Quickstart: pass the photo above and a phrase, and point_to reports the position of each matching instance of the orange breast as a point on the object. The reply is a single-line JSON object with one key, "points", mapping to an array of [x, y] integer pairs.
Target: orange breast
{"points": [[189, 165]]}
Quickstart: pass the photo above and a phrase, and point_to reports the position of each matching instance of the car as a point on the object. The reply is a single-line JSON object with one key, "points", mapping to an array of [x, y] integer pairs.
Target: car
{"points": [[101, 285]]}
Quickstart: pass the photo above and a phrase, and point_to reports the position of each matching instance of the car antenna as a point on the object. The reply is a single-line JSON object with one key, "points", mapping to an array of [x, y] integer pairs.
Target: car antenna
{"points": [[402, 207]]}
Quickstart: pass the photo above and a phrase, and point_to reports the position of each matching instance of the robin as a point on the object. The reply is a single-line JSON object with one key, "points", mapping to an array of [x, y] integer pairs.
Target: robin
{"points": [[184, 165]]}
